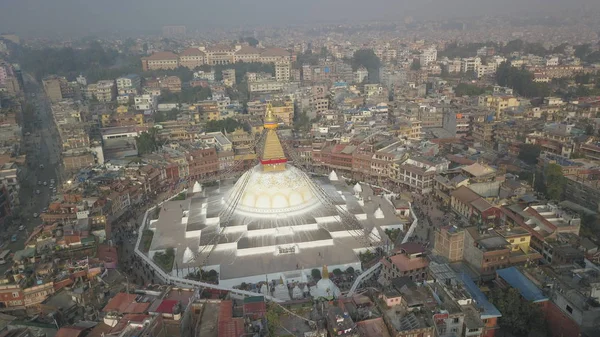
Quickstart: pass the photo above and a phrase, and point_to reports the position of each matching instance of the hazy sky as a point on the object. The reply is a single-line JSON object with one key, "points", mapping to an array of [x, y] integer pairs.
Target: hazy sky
{"points": [[88, 16]]}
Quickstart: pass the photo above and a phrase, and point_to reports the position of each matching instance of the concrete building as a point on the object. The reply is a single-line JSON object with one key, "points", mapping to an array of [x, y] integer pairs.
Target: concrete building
{"points": [[360, 74], [229, 77], [160, 60], [57, 88], [129, 84], [282, 71], [428, 56], [106, 91], [470, 64], [192, 58], [410, 262], [146, 102], [449, 242], [265, 86]]}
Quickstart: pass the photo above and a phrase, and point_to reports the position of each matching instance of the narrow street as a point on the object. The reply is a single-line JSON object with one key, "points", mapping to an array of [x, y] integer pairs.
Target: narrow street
{"points": [[40, 142]]}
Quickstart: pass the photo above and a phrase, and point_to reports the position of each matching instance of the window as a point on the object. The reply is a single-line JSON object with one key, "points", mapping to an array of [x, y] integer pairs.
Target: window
{"points": [[15, 294], [522, 239], [569, 309], [455, 320], [473, 330]]}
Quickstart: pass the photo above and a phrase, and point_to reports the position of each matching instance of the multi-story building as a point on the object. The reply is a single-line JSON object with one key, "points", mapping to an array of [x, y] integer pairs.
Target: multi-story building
{"points": [[498, 103], [450, 242], [282, 71], [146, 102], [470, 64], [192, 58], [160, 60], [129, 84], [487, 250], [106, 91], [360, 74], [8, 179], [208, 111], [57, 88], [265, 86], [558, 141], [483, 133], [229, 77], [170, 83], [220, 54], [417, 173], [472, 206], [428, 56], [410, 262]]}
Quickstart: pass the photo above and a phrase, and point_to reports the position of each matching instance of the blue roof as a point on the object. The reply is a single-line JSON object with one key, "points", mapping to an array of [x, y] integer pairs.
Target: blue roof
{"points": [[488, 309], [517, 280]]}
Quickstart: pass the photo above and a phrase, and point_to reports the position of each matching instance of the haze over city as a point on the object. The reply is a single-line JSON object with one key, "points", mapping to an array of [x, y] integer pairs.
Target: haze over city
{"points": [[89, 17]]}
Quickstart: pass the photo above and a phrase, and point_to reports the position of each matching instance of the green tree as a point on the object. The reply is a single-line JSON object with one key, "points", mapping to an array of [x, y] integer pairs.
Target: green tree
{"points": [[519, 317], [228, 124], [159, 117], [350, 271], [273, 317], [465, 89], [555, 182], [172, 114], [367, 58], [250, 40], [589, 129], [316, 274], [529, 153], [146, 141], [337, 272], [583, 50]]}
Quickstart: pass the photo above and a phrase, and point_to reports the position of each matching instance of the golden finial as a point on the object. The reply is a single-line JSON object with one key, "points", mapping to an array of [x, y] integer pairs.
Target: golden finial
{"points": [[270, 120], [325, 273]]}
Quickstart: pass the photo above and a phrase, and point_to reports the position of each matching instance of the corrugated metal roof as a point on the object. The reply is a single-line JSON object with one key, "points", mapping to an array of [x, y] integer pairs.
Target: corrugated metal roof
{"points": [[526, 288]]}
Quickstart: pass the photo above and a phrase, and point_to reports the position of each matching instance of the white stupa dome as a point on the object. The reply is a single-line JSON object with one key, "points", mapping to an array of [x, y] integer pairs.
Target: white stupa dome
{"points": [[357, 188], [297, 293], [281, 292], [379, 213], [333, 176], [264, 289], [289, 190], [197, 188], [325, 287], [188, 255]]}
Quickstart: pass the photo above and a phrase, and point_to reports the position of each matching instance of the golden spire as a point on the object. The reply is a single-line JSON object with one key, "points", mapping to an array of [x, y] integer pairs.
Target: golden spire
{"points": [[273, 157], [325, 273], [270, 120]]}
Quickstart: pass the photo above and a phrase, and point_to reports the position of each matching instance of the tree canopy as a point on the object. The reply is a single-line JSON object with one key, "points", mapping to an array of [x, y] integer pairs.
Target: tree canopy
{"points": [[367, 58], [521, 81], [146, 141], [529, 153], [228, 124], [519, 317], [71, 62], [187, 95], [465, 89]]}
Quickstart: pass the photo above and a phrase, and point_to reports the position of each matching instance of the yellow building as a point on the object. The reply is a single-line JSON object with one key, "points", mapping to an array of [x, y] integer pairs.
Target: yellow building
{"points": [[518, 237], [207, 111], [122, 109], [498, 103], [283, 110]]}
